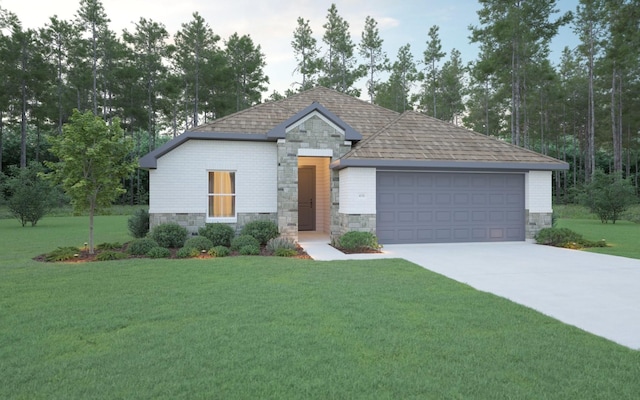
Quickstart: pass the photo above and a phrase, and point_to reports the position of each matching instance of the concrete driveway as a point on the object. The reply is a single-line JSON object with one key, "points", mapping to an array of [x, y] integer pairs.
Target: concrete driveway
{"points": [[594, 292], [597, 293]]}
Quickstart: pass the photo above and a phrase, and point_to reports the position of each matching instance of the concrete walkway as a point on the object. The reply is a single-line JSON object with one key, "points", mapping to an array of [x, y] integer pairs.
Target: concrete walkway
{"points": [[597, 293]]}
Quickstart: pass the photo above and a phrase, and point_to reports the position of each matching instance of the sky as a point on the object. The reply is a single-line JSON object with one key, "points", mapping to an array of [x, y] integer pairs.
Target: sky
{"points": [[271, 23]]}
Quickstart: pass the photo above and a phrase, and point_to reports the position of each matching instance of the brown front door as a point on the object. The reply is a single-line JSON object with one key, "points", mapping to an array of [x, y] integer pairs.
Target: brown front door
{"points": [[307, 198]]}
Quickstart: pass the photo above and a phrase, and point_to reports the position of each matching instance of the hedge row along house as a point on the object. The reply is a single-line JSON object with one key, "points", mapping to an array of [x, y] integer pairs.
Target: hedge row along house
{"points": [[327, 162]]}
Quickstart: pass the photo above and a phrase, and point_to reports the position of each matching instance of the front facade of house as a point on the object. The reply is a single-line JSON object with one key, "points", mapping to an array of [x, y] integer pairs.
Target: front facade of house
{"points": [[323, 161]]}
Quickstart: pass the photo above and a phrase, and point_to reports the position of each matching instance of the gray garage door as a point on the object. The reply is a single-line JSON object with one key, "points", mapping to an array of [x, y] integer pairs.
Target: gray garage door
{"points": [[430, 207]]}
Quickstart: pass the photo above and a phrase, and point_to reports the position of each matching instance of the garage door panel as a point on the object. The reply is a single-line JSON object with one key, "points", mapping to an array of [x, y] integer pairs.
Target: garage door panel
{"points": [[427, 207]]}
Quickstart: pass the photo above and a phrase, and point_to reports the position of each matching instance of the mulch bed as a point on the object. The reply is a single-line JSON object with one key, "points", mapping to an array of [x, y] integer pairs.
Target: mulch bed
{"points": [[85, 256]]}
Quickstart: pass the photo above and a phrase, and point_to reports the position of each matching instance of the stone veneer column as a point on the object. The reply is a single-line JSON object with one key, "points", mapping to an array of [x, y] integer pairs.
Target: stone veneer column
{"points": [[313, 133]]}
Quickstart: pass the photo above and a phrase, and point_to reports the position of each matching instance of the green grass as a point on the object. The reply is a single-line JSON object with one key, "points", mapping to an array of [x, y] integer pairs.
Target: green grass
{"points": [[274, 328], [623, 237]]}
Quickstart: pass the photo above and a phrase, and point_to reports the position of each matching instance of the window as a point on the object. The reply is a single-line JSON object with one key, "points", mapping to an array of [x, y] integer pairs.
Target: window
{"points": [[222, 194]]}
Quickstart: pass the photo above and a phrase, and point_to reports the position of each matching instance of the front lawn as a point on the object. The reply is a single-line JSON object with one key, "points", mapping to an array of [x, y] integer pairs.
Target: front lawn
{"points": [[623, 237], [274, 328]]}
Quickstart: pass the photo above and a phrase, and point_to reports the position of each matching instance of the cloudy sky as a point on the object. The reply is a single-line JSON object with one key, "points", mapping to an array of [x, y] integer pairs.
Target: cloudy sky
{"points": [[271, 23]]}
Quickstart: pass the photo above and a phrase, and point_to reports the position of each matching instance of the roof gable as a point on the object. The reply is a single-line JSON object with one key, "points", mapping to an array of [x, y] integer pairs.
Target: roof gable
{"points": [[279, 131]]}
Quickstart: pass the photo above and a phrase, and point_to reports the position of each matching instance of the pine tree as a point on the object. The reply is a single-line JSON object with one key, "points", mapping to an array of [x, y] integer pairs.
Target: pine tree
{"points": [[432, 56], [306, 52], [246, 62], [370, 49]]}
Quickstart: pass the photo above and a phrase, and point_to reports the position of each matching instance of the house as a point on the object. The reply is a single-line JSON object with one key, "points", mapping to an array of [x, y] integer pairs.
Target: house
{"points": [[325, 161]]}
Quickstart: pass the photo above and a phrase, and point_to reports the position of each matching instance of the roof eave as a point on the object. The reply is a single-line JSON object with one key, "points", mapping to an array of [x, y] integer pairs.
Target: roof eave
{"points": [[449, 165], [150, 160]]}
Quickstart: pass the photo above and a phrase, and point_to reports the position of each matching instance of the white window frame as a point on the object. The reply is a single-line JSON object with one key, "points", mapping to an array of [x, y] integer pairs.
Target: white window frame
{"points": [[211, 218]]}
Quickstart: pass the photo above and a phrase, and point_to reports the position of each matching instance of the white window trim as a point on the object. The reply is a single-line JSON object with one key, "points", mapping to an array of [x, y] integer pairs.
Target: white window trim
{"points": [[234, 219]]}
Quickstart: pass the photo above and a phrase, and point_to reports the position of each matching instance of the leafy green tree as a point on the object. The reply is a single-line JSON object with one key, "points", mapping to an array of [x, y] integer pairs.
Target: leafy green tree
{"points": [[370, 49], [93, 160], [608, 196], [394, 94], [306, 51], [29, 197], [246, 62]]}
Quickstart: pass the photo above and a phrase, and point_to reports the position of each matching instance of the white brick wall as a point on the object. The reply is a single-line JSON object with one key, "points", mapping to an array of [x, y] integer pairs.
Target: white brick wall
{"points": [[358, 191], [179, 184], [537, 189]]}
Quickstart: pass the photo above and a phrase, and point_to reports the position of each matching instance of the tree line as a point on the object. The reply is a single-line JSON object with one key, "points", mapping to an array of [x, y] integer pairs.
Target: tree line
{"points": [[581, 109]]}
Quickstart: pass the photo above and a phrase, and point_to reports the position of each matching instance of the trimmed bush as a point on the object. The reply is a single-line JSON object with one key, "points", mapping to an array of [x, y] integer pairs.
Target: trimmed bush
{"points": [[282, 252], [169, 235], [219, 251], [140, 247], [275, 244], [62, 254], [199, 243], [563, 237], [250, 250], [109, 246], [187, 252], [219, 234], [358, 241], [261, 230], [138, 223], [159, 252], [244, 240], [111, 255]]}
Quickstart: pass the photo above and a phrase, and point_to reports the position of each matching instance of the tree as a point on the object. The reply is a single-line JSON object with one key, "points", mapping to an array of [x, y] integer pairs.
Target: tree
{"points": [[608, 196], [93, 160], [306, 52], [246, 62], [370, 49], [451, 88], [339, 70], [29, 197], [432, 56], [394, 94]]}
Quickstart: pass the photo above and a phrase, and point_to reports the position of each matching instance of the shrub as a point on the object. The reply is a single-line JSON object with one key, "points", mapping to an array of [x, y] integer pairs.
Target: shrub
{"points": [[282, 252], [62, 254], [219, 251], [275, 244], [169, 235], [219, 234], [139, 223], [632, 214], [198, 243], [159, 252], [244, 240], [109, 246], [250, 250], [563, 237], [187, 252], [111, 255], [29, 197], [358, 241], [140, 247], [261, 230], [608, 196]]}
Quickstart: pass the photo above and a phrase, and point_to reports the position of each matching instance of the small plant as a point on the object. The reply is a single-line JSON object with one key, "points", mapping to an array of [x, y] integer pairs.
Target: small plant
{"points": [[169, 235], [62, 254], [140, 247], [261, 230], [219, 234], [563, 237], [219, 251], [244, 240], [250, 250], [29, 196], [282, 252], [138, 223], [358, 241], [198, 243], [187, 252], [109, 246], [159, 252], [273, 245], [111, 255]]}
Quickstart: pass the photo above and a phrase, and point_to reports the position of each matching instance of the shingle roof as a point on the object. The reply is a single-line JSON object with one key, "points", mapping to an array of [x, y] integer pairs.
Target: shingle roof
{"points": [[388, 138]]}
